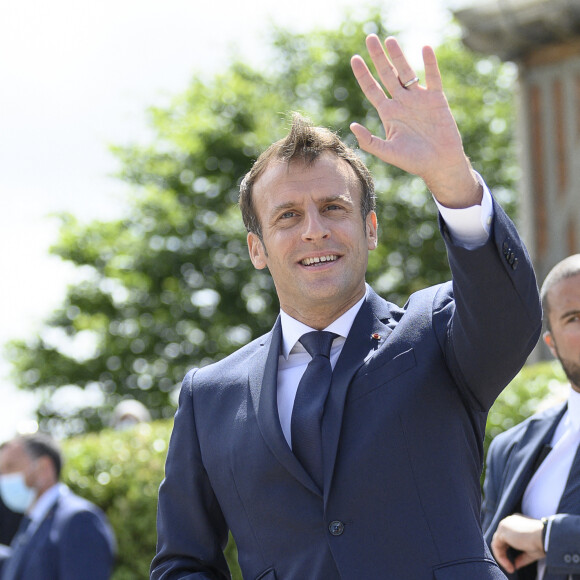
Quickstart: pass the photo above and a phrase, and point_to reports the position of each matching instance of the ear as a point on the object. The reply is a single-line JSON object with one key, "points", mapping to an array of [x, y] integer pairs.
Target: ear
{"points": [[257, 251], [372, 228], [549, 340]]}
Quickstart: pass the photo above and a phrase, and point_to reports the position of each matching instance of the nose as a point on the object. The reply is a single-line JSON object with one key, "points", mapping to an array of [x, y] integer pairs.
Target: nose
{"points": [[315, 227]]}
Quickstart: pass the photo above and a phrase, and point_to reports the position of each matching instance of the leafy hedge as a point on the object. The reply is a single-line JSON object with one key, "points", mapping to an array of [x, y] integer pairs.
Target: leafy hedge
{"points": [[121, 471], [535, 387]]}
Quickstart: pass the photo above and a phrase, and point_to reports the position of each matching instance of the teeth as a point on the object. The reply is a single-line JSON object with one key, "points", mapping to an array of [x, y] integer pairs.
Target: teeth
{"points": [[318, 260]]}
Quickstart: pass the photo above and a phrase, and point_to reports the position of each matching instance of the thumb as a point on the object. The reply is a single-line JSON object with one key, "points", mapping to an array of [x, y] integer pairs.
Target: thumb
{"points": [[368, 142]]}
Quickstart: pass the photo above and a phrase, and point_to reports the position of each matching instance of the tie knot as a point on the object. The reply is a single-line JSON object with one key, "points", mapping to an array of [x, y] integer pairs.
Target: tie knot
{"points": [[318, 342]]}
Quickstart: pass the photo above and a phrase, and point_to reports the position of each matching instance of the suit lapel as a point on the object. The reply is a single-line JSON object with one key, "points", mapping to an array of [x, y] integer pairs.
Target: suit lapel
{"points": [[368, 332], [15, 565], [538, 433], [263, 379]]}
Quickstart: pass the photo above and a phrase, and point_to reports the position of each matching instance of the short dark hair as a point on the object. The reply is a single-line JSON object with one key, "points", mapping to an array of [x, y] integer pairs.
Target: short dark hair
{"points": [[567, 268], [307, 143], [42, 445]]}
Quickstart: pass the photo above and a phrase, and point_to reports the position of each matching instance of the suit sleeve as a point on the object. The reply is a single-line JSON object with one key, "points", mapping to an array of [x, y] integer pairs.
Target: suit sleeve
{"points": [[191, 530], [563, 556], [497, 317]]}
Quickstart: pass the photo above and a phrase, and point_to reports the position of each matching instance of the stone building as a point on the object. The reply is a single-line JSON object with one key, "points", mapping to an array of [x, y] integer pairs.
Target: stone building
{"points": [[543, 38]]}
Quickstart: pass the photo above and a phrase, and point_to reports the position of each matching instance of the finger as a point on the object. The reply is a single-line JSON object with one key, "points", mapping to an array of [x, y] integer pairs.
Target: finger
{"points": [[369, 142], [363, 135], [404, 70], [385, 68], [499, 550], [367, 82], [523, 560], [432, 74]]}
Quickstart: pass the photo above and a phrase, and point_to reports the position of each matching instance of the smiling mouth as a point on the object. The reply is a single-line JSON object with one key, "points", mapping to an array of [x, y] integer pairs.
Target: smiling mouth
{"points": [[319, 260]]}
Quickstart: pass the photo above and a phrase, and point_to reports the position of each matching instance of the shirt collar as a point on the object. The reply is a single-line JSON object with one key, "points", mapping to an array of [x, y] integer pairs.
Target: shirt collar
{"points": [[292, 329], [46, 501]]}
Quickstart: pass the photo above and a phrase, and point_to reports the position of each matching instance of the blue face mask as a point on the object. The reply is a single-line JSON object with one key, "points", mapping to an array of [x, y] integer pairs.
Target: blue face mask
{"points": [[15, 493]]}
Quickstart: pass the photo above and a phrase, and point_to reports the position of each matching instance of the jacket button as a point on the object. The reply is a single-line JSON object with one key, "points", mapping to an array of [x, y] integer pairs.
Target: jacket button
{"points": [[576, 558], [336, 528], [567, 558]]}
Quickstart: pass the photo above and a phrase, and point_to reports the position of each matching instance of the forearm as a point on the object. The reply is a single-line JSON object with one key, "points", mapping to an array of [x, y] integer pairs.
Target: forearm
{"points": [[497, 319]]}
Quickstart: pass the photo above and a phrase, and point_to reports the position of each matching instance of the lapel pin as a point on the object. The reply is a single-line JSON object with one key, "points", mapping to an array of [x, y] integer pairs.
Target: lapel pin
{"points": [[376, 336]]}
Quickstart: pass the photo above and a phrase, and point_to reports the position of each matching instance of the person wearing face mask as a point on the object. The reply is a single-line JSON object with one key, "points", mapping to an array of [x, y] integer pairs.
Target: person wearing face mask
{"points": [[62, 536]]}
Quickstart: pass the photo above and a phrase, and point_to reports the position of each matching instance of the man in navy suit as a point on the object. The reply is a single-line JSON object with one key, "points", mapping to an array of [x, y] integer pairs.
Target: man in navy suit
{"points": [[384, 482], [62, 536], [531, 513]]}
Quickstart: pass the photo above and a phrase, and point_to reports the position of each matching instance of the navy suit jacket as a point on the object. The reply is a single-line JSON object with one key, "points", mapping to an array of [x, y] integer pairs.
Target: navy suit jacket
{"points": [[402, 439], [73, 542], [511, 462]]}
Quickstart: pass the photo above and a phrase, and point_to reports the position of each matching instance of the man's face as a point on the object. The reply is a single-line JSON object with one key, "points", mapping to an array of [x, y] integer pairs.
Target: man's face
{"points": [[315, 242], [564, 336]]}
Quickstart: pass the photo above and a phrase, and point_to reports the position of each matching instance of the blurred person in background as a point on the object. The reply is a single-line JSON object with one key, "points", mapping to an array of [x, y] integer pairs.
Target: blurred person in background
{"points": [[61, 536], [129, 413], [531, 509]]}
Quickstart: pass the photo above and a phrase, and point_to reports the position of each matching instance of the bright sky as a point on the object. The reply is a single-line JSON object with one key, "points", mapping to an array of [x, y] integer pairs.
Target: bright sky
{"points": [[77, 76]]}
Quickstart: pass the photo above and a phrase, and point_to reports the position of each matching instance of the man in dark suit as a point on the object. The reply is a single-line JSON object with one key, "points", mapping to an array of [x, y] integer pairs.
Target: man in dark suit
{"points": [[62, 536], [531, 511], [371, 471]]}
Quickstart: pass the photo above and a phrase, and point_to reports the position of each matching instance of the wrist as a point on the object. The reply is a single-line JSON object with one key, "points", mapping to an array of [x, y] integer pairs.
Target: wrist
{"points": [[545, 525], [460, 192]]}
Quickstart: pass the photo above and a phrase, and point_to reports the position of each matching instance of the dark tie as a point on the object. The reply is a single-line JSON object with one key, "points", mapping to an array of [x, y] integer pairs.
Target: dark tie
{"points": [[309, 403], [570, 500]]}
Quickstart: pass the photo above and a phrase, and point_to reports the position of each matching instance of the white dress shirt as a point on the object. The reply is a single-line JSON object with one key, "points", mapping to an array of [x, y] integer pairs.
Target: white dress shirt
{"points": [[546, 486], [468, 227]]}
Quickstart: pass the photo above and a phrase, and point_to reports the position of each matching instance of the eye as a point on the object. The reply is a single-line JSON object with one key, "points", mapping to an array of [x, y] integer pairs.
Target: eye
{"points": [[288, 214], [573, 318]]}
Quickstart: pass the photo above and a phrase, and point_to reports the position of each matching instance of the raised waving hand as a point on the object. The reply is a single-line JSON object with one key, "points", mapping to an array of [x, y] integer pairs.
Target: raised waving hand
{"points": [[421, 136]]}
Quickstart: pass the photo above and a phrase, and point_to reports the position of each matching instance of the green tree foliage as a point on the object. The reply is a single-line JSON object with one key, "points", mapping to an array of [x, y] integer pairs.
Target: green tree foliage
{"points": [[535, 387], [170, 285]]}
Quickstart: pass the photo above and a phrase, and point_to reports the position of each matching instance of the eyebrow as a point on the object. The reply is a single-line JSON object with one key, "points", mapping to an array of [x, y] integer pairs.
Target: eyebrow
{"points": [[327, 199]]}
